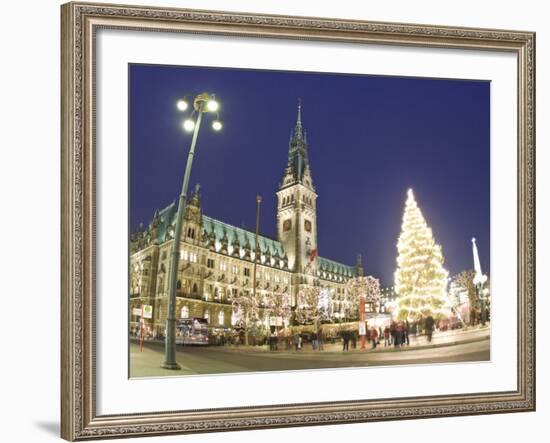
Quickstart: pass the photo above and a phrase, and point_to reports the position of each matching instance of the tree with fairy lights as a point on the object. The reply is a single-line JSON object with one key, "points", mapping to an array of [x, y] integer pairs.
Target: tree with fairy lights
{"points": [[278, 305], [355, 288], [245, 312], [313, 305], [420, 278]]}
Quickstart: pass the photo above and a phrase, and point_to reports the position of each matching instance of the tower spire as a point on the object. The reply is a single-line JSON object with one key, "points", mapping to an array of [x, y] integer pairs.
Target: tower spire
{"points": [[298, 162], [479, 277], [299, 119]]}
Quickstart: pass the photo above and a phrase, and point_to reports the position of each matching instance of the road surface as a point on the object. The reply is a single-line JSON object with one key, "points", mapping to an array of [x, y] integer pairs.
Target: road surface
{"points": [[216, 360]]}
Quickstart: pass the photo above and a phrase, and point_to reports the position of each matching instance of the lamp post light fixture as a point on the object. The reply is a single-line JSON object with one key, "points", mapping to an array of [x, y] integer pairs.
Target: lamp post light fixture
{"points": [[202, 103]]}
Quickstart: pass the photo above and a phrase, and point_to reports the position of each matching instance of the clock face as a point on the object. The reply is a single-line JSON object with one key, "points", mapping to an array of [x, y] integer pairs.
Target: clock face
{"points": [[307, 225], [287, 225]]}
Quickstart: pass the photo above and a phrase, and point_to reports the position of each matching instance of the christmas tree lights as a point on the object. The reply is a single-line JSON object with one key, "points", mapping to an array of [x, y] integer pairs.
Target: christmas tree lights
{"points": [[420, 278]]}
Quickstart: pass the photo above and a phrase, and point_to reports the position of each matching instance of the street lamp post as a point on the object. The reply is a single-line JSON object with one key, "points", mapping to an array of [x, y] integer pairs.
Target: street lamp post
{"points": [[256, 256], [202, 103]]}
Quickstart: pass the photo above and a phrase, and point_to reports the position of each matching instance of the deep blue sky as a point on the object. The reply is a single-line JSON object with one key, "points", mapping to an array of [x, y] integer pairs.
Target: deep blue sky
{"points": [[370, 139]]}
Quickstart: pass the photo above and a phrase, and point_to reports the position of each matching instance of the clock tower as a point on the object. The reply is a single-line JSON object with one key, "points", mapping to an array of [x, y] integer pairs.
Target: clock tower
{"points": [[297, 210]]}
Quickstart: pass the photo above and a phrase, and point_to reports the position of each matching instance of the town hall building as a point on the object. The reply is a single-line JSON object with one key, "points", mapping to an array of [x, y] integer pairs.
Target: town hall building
{"points": [[217, 259]]}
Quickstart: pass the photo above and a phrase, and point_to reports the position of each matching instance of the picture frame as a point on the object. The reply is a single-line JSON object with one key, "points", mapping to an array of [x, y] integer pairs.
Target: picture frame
{"points": [[79, 238]]}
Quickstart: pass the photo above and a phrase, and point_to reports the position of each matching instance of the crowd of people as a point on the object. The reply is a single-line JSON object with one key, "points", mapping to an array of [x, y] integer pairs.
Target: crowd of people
{"points": [[397, 334]]}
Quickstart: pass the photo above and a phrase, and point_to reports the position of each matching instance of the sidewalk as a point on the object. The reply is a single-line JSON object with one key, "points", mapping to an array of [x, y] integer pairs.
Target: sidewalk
{"points": [[439, 339]]}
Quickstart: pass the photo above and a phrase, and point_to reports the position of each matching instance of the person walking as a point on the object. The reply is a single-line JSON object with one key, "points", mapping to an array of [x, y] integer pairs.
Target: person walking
{"points": [[374, 337], [387, 339], [354, 340], [407, 331], [296, 341], [392, 333], [345, 339], [320, 340], [314, 341], [398, 334], [429, 326]]}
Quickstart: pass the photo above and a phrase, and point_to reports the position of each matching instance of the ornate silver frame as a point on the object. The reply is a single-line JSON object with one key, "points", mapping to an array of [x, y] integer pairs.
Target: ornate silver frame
{"points": [[80, 21]]}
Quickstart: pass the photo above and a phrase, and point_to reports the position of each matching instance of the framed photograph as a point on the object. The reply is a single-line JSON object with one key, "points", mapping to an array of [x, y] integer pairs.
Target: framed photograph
{"points": [[275, 221]]}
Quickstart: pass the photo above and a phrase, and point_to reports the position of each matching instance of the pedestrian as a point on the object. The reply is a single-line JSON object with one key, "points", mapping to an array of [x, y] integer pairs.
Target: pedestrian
{"points": [[354, 340], [300, 341], [374, 337], [407, 331], [321, 339], [387, 339], [345, 338], [296, 341], [400, 331], [392, 332], [314, 341], [429, 326]]}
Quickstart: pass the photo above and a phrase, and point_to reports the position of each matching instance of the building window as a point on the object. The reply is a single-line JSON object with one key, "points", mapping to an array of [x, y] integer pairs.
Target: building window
{"points": [[223, 266], [184, 255], [192, 257], [235, 269], [287, 225], [191, 232], [195, 289], [184, 312], [246, 272], [210, 263], [221, 318]]}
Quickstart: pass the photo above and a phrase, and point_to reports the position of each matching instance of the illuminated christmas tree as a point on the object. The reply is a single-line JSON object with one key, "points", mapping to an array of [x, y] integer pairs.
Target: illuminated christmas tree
{"points": [[420, 279]]}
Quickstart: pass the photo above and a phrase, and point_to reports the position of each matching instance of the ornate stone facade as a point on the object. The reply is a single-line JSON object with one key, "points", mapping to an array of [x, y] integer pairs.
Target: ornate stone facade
{"points": [[217, 259]]}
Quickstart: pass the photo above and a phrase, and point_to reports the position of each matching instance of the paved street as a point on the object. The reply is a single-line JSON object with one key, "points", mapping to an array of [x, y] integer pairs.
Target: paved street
{"points": [[472, 346]]}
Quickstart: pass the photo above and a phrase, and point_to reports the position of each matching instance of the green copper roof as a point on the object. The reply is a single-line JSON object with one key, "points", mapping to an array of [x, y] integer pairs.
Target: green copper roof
{"points": [[325, 264], [242, 236], [167, 217]]}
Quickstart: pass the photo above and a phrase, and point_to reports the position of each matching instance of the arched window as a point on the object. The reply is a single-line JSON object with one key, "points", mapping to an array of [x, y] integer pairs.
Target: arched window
{"points": [[184, 312], [195, 289], [221, 318]]}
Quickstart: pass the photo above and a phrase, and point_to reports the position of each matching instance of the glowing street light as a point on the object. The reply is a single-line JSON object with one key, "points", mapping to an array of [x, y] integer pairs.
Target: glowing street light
{"points": [[202, 103], [182, 104], [217, 125], [188, 124], [212, 105]]}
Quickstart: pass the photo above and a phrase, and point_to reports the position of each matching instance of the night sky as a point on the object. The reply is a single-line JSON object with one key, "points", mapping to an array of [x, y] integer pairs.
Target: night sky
{"points": [[370, 139]]}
